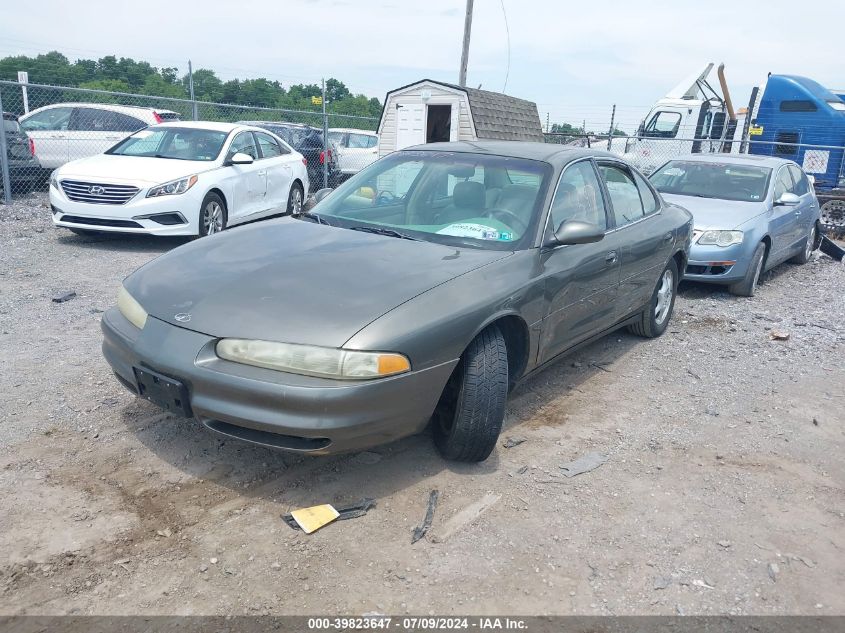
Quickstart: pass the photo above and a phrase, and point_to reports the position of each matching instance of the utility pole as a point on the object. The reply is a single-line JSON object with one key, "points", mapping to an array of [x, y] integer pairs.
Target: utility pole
{"points": [[325, 140], [610, 132], [191, 90], [4, 159], [462, 76]]}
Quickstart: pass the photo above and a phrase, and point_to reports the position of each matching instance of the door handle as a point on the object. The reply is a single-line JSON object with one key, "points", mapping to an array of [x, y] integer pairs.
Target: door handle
{"points": [[611, 257]]}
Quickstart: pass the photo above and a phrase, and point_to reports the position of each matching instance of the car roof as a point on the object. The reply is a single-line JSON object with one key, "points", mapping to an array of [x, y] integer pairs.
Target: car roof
{"points": [[105, 106], [736, 159], [352, 130], [216, 126], [303, 126], [547, 152]]}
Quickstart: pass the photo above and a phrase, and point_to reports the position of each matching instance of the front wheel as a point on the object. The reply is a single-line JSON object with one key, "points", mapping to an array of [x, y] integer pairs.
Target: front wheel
{"points": [[295, 198], [748, 286], [212, 215], [469, 416], [655, 318], [804, 256]]}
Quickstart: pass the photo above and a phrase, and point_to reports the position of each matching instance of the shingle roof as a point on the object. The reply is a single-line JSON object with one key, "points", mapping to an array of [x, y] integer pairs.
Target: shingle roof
{"points": [[497, 116]]}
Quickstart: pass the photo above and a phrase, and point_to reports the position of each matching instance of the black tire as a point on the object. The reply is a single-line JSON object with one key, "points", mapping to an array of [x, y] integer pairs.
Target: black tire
{"points": [[211, 216], [296, 199], [748, 286], [469, 416], [807, 251], [655, 318]]}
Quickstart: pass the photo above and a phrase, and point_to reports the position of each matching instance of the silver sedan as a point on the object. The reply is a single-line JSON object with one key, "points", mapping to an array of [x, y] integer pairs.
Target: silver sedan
{"points": [[750, 213]]}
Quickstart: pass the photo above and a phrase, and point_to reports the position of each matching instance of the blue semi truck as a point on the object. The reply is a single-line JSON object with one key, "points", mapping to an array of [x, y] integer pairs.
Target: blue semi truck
{"points": [[788, 116]]}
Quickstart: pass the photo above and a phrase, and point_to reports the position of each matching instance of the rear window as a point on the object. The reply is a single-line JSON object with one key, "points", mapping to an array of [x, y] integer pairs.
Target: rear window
{"points": [[169, 116]]}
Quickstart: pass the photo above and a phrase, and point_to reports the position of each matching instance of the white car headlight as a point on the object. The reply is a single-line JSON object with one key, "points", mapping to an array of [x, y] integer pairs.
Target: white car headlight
{"points": [[309, 360], [173, 187], [131, 309], [720, 238], [54, 180]]}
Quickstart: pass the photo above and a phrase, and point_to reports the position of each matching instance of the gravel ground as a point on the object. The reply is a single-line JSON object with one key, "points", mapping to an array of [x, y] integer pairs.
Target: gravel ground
{"points": [[722, 492]]}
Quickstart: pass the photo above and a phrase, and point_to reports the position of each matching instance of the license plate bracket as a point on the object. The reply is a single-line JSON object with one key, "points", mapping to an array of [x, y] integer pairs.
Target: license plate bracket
{"points": [[163, 391]]}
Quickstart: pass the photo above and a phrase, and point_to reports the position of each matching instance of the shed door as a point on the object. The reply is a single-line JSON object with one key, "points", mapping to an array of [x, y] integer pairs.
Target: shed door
{"points": [[410, 125]]}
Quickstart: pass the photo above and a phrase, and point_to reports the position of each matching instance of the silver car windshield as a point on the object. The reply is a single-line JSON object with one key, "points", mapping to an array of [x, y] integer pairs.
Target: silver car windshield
{"points": [[455, 198], [175, 143], [725, 181]]}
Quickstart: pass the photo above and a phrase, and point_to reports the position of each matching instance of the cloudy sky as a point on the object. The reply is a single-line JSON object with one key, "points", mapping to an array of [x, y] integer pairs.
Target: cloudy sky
{"points": [[575, 59]]}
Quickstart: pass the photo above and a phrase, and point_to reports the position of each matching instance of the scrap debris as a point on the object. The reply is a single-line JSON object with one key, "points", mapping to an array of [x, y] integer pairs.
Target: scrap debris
{"points": [[583, 464], [832, 249], [465, 517], [514, 441], [421, 530], [64, 296], [779, 335], [316, 517]]}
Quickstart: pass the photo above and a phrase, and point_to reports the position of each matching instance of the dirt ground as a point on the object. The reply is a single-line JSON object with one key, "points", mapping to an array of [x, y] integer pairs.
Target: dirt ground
{"points": [[722, 492]]}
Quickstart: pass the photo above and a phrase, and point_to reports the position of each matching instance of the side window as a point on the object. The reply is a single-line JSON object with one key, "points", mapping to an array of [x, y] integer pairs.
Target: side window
{"points": [[269, 146], [124, 123], [650, 204], [802, 184], [245, 144], [52, 119], [783, 183], [90, 120], [372, 141], [663, 125], [578, 197], [624, 195], [359, 141]]}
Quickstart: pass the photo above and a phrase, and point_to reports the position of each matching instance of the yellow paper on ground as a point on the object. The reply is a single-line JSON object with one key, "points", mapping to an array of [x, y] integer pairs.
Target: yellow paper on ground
{"points": [[315, 517]]}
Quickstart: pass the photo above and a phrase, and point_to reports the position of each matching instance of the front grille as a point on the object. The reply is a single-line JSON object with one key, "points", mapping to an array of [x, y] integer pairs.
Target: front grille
{"points": [[98, 193], [123, 224]]}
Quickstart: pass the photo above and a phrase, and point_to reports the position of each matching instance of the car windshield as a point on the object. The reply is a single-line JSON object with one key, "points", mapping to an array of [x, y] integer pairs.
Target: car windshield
{"points": [[172, 142], [458, 199], [726, 181], [11, 125]]}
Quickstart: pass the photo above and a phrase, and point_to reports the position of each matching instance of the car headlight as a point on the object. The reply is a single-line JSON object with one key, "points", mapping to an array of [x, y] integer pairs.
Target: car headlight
{"points": [[54, 180], [309, 360], [173, 187], [131, 309], [720, 238]]}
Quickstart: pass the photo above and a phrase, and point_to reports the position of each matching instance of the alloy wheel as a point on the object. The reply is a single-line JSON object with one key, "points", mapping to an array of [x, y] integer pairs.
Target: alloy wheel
{"points": [[296, 201], [664, 297], [212, 218], [811, 241]]}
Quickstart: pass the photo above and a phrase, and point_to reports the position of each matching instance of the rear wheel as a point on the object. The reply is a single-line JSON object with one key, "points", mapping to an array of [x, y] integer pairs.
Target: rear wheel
{"points": [[295, 199], [748, 286], [804, 256], [655, 318], [212, 215], [469, 416]]}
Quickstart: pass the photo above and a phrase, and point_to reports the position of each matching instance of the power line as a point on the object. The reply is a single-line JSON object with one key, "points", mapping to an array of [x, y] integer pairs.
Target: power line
{"points": [[508, 32]]}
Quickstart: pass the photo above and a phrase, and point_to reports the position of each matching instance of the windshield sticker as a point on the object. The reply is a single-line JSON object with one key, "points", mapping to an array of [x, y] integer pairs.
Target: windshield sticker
{"points": [[476, 231]]}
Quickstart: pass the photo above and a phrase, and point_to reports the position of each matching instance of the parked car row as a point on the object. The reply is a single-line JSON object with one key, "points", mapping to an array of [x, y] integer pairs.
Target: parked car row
{"points": [[421, 290]]}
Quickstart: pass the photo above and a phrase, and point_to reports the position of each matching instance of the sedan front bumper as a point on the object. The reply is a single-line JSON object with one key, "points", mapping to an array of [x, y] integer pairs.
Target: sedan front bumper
{"points": [[273, 408], [717, 264]]}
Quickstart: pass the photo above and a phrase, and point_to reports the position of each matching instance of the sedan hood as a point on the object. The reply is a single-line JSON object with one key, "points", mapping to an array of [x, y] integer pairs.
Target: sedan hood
{"points": [[137, 170], [294, 281], [713, 213]]}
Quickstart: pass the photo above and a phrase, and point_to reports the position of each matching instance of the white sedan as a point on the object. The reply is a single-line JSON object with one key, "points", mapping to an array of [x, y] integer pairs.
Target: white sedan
{"points": [[192, 178]]}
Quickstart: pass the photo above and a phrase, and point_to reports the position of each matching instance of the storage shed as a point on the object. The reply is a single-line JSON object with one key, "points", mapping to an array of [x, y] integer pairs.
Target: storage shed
{"points": [[433, 111]]}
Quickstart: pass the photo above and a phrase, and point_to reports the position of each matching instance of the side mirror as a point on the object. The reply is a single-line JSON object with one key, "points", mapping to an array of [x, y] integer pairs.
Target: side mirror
{"points": [[577, 232], [322, 193], [239, 158], [787, 199]]}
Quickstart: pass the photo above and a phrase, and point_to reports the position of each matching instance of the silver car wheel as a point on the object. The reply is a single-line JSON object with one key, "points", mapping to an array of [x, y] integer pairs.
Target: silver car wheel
{"points": [[664, 297], [757, 271], [296, 201], [212, 218], [811, 241]]}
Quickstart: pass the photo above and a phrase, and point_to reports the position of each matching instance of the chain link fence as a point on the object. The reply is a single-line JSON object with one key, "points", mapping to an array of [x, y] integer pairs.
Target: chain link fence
{"points": [[45, 127]]}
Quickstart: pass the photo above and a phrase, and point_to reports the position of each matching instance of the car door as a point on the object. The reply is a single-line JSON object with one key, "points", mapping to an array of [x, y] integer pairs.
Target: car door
{"points": [[277, 162], [580, 280], [92, 131], [360, 151], [782, 219], [48, 131], [645, 241], [805, 211], [249, 182]]}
